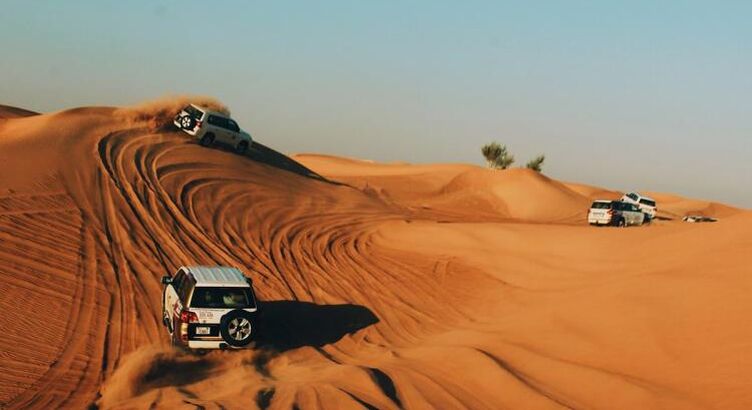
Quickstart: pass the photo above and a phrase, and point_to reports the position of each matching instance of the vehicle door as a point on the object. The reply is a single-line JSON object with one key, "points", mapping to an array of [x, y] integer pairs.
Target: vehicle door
{"points": [[218, 128], [234, 131], [171, 298], [639, 215], [634, 214]]}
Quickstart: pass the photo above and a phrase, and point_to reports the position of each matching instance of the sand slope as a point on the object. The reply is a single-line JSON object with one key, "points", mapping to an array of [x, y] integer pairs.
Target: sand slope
{"points": [[386, 286], [14, 112]]}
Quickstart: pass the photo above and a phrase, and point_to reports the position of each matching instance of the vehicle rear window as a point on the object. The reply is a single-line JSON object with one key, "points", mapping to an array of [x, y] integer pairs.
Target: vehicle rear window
{"points": [[601, 205], [647, 202], [632, 196], [222, 298], [194, 112]]}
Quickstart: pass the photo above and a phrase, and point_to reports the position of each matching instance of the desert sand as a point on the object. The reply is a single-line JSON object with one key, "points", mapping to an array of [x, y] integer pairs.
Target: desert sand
{"points": [[383, 285]]}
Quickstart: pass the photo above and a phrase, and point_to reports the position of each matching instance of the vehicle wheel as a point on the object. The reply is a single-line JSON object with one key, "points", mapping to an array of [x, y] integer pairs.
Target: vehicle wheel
{"points": [[187, 122], [207, 140], [242, 147], [622, 223], [236, 328]]}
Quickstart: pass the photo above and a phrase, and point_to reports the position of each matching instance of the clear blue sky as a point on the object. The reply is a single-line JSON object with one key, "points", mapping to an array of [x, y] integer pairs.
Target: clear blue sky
{"points": [[653, 95]]}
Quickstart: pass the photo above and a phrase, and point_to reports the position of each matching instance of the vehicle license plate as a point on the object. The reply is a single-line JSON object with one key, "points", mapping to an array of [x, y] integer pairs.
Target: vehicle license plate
{"points": [[202, 330]]}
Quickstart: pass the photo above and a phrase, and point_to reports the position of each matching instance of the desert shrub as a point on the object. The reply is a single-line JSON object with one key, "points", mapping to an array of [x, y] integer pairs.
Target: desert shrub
{"points": [[536, 164], [497, 156]]}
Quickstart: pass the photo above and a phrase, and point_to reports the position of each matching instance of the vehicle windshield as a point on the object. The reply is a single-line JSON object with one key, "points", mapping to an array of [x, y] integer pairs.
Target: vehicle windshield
{"points": [[222, 298], [647, 202], [194, 112], [601, 205]]}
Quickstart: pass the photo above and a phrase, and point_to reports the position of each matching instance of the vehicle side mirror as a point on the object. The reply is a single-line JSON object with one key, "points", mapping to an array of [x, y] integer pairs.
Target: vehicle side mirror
{"points": [[166, 280]]}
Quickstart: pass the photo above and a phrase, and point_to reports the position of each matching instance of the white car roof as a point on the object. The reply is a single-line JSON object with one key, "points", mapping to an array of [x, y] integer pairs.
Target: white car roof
{"points": [[640, 195], [217, 276]]}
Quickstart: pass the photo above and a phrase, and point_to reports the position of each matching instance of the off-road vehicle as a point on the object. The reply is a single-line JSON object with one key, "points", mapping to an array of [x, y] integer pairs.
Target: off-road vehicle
{"points": [[617, 213], [209, 307], [211, 127], [646, 204]]}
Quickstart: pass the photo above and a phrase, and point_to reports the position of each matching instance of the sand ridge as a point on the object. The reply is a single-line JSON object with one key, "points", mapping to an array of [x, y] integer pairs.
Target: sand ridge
{"points": [[384, 285]]}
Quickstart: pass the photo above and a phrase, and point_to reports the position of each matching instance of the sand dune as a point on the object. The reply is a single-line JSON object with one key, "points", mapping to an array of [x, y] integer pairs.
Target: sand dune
{"points": [[453, 189], [384, 285], [14, 112]]}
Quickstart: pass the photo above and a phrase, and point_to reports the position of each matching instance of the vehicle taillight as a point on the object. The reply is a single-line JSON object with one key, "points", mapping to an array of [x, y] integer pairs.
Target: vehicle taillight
{"points": [[187, 316], [198, 124], [610, 212]]}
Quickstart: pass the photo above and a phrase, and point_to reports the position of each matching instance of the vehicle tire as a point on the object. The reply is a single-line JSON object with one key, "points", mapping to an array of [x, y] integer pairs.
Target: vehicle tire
{"points": [[187, 122], [207, 140], [236, 328], [242, 147], [621, 223]]}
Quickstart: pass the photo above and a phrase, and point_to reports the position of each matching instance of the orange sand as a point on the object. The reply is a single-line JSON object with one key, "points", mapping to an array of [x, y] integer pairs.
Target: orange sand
{"points": [[385, 285]]}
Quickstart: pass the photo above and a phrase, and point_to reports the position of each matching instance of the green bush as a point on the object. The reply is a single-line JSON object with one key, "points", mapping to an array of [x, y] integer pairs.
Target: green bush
{"points": [[497, 156], [536, 164]]}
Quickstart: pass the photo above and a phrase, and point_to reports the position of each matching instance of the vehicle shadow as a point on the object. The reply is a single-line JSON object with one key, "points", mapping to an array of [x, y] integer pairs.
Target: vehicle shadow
{"points": [[261, 153], [285, 324]]}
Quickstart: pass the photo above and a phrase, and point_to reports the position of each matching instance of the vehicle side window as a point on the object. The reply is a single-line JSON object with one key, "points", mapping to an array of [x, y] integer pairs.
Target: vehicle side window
{"points": [[232, 125], [218, 121], [184, 289], [178, 280], [633, 196]]}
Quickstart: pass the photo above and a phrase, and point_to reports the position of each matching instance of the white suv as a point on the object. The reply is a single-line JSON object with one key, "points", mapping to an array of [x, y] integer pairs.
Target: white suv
{"points": [[618, 213], [209, 307], [646, 204], [212, 127]]}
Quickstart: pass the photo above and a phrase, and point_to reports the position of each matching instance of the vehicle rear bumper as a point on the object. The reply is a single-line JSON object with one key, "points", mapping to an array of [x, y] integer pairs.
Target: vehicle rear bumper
{"points": [[599, 221], [212, 344], [205, 344]]}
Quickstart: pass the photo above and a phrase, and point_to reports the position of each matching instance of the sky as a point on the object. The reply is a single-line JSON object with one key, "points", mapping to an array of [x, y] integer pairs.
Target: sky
{"points": [[628, 95]]}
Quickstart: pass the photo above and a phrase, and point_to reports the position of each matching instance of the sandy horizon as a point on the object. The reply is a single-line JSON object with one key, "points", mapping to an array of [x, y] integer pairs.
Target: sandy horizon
{"points": [[385, 285]]}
